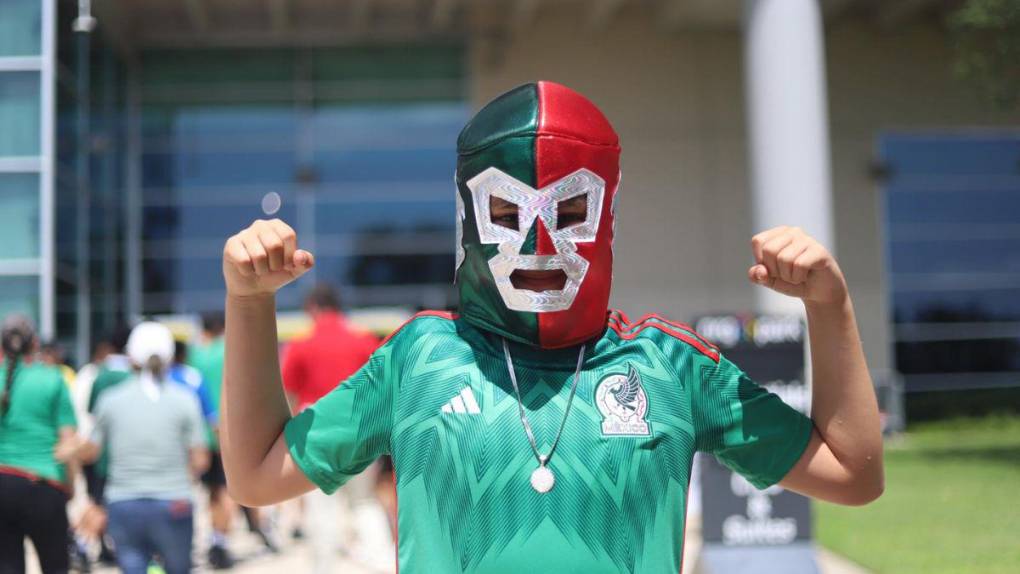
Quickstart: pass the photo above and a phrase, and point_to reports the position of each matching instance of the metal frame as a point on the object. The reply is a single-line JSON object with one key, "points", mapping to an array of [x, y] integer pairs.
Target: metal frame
{"points": [[133, 203], [47, 128], [41, 164], [23, 63], [24, 164], [20, 267]]}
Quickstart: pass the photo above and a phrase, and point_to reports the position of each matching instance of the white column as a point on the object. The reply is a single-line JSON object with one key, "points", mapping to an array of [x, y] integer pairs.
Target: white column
{"points": [[784, 67]]}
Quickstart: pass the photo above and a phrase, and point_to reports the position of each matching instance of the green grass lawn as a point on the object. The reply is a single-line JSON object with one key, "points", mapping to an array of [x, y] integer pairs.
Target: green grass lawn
{"points": [[951, 503]]}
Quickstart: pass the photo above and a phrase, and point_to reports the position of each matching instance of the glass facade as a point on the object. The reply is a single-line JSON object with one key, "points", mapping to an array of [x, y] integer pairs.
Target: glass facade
{"points": [[20, 27], [25, 73], [19, 113], [89, 187], [359, 144], [20, 295], [953, 228], [181, 148], [19, 218]]}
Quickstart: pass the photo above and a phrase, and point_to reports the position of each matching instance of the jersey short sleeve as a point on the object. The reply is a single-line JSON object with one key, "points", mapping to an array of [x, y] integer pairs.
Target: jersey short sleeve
{"points": [[750, 430], [338, 436], [63, 408], [101, 422]]}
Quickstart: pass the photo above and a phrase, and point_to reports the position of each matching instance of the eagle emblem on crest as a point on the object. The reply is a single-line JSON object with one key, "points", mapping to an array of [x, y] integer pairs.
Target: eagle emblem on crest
{"points": [[623, 403]]}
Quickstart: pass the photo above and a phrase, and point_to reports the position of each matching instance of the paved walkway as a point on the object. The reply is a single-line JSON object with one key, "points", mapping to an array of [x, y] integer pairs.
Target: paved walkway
{"points": [[295, 556]]}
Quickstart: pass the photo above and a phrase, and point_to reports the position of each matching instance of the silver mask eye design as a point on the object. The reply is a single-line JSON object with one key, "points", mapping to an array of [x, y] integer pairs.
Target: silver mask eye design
{"points": [[460, 230], [533, 204]]}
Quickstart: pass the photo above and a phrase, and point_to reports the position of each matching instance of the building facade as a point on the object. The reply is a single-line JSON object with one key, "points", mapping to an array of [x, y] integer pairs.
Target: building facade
{"points": [[27, 134]]}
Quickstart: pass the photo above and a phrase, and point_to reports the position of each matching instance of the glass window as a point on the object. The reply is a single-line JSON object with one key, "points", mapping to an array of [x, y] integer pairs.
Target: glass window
{"points": [[225, 75], [402, 214], [953, 228], [19, 113], [198, 147], [360, 145], [20, 295], [184, 229], [19, 218], [403, 142], [392, 63], [185, 169], [20, 27]]}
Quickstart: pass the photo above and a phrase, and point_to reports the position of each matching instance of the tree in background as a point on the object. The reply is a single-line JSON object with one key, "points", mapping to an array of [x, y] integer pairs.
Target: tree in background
{"points": [[985, 37]]}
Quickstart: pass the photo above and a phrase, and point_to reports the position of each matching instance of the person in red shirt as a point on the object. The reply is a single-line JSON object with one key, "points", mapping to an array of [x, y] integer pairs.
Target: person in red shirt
{"points": [[335, 349], [312, 367]]}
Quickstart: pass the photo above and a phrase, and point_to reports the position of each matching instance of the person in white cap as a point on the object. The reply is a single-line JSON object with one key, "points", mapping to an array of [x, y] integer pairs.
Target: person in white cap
{"points": [[153, 434]]}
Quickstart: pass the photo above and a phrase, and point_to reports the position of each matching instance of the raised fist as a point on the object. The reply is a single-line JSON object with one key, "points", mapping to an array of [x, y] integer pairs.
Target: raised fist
{"points": [[793, 263], [262, 258]]}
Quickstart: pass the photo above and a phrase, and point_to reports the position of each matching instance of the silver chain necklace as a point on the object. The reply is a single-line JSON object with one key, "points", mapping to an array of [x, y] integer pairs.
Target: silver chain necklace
{"points": [[542, 478]]}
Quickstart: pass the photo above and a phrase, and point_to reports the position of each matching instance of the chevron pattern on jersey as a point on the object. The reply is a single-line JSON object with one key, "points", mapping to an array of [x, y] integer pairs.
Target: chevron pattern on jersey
{"points": [[609, 490], [465, 499]]}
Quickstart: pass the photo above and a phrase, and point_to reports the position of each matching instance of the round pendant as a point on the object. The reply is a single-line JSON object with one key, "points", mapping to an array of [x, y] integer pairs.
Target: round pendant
{"points": [[542, 479]]}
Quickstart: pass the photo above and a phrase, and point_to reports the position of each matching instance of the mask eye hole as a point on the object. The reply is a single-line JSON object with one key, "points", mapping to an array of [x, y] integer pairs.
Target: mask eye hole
{"points": [[503, 213], [572, 211]]}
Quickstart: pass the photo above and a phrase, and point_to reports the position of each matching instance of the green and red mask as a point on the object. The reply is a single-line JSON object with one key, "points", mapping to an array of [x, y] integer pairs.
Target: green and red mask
{"points": [[536, 147]]}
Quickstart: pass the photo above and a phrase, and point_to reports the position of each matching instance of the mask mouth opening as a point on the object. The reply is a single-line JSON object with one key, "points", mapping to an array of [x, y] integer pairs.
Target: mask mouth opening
{"points": [[539, 280]]}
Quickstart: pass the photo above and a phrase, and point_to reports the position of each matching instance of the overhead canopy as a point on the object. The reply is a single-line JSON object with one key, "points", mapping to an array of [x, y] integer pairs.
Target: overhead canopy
{"points": [[144, 24]]}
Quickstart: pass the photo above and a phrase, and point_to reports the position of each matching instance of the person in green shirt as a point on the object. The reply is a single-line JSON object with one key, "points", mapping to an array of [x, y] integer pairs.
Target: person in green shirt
{"points": [[537, 430], [207, 358], [114, 369], [36, 415]]}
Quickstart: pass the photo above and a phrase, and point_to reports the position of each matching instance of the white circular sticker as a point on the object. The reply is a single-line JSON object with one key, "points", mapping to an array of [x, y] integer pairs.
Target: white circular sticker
{"points": [[271, 203]]}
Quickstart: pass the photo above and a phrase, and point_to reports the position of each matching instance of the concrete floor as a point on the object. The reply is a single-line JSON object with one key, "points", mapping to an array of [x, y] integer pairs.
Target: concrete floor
{"points": [[295, 555]]}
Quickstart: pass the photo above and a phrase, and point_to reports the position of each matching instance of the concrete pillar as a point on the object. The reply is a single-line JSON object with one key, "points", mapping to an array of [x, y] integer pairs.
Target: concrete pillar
{"points": [[784, 67]]}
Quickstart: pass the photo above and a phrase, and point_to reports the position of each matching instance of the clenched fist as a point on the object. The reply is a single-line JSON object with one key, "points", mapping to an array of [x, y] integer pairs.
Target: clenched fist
{"points": [[262, 258], [791, 262]]}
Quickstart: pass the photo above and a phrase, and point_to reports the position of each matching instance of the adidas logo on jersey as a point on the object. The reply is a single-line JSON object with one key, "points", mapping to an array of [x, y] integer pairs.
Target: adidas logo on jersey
{"points": [[463, 403]]}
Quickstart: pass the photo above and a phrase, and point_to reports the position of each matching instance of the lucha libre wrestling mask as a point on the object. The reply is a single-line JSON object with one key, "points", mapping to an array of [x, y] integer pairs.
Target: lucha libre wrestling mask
{"points": [[535, 149]]}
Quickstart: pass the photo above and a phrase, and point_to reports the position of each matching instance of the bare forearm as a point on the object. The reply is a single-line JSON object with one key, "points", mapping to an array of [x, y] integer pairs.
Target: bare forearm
{"points": [[198, 461], [72, 449], [843, 459], [844, 408], [254, 408]]}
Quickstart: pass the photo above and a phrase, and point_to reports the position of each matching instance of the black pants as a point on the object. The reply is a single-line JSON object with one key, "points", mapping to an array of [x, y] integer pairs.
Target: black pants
{"points": [[36, 510]]}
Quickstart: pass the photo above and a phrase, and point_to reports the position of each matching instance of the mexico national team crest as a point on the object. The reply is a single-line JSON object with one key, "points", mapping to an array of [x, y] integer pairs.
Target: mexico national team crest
{"points": [[623, 403]]}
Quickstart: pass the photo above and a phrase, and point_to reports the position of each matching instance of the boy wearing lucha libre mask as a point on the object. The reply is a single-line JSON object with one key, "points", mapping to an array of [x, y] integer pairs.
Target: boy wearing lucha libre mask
{"points": [[536, 429]]}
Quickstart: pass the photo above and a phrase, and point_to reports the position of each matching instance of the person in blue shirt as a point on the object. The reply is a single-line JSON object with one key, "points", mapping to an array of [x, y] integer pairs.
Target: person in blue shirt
{"points": [[184, 374]]}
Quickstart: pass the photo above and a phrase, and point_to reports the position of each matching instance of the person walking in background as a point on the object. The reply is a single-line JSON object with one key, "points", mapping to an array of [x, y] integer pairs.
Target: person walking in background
{"points": [[89, 371], [86, 377], [114, 369], [90, 519], [35, 416], [312, 367], [190, 378], [153, 433], [207, 359], [52, 353]]}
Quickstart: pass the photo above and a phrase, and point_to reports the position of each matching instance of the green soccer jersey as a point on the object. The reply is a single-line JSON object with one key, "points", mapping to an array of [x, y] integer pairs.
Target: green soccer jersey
{"points": [[29, 430], [105, 380], [208, 359], [437, 396]]}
